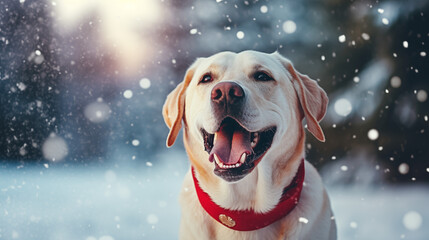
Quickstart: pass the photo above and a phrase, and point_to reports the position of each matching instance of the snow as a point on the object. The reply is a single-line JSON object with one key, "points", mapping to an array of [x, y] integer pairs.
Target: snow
{"points": [[344, 168], [395, 82], [37, 57], [422, 95], [412, 220], [128, 94], [403, 168], [240, 34], [381, 212], [362, 95], [342, 38], [54, 148], [303, 220], [152, 219], [373, 134], [97, 112], [144, 83], [365, 36], [385, 21], [141, 202], [343, 107], [21, 86], [289, 27], [135, 142]]}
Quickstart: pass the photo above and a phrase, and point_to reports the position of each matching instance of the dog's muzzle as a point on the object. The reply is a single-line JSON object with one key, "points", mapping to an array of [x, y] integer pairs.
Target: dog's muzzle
{"points": [[234, 150]]}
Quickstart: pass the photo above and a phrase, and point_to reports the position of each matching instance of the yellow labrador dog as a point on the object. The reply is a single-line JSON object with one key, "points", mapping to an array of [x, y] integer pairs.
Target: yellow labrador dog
{"points": [[242, 118]]}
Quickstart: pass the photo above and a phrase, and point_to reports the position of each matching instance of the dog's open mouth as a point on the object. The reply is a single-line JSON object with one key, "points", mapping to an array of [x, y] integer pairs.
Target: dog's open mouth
{"points": [[236, 151]]}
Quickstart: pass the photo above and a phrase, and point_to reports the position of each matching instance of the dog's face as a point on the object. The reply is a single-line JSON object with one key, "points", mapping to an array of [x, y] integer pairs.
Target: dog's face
{"points": [[239, 108]]}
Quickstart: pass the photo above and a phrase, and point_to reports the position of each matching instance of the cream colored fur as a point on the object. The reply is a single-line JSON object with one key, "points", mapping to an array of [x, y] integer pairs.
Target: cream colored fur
{"points": [[283, 103]]}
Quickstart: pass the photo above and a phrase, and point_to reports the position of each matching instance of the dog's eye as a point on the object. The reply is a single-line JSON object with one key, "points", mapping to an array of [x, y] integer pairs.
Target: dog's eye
{"points": [[262, 76], [206, 78]]}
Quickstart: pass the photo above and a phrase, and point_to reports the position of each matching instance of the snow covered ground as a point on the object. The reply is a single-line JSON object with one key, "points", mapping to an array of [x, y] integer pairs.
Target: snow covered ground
{"points": [[140, 202]]}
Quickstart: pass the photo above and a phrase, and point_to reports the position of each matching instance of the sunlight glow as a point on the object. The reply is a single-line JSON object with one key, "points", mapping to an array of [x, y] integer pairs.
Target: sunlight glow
{"points": [[118, 23]]}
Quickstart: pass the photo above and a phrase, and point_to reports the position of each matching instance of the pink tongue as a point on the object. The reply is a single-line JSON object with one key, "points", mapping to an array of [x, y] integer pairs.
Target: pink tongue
{"points": [[230, 143]]}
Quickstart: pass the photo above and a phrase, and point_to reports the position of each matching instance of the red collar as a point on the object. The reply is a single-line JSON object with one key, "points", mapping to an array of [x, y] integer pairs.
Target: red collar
{"points": [[248, 220]]}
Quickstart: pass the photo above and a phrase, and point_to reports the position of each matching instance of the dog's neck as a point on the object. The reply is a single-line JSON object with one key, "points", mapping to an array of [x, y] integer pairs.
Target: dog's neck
{"points": [[261, 189], [249, 220]]}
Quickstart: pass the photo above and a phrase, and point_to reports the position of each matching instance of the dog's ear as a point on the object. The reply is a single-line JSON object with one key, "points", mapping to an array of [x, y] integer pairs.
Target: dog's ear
{"points": [[312, 98], [174, 107]]}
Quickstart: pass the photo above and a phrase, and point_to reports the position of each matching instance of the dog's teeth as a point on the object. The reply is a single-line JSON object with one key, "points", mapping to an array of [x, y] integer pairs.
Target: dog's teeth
{"points": [[227, 166], [243, 158], [219, 163]]}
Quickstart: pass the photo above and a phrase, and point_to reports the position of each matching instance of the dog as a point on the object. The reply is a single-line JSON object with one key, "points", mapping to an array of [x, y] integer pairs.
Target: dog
{"points": [[242, 117]]}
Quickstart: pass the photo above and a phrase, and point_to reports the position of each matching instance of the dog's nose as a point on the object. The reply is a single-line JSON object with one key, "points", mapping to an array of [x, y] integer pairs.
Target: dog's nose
{"points": [[227, 93]]}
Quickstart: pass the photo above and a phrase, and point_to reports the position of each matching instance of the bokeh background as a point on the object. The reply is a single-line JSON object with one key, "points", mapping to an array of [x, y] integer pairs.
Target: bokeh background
{"points": [[82, 83]]}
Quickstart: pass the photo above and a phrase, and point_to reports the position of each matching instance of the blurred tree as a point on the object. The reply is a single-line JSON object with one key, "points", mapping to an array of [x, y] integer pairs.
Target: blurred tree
{"points": [[29, 73]]}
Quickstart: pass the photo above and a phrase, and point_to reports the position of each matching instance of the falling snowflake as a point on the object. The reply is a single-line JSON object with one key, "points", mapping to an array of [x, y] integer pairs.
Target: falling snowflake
{"points": [[144, 83], [152, 219], [135, 142], [412, 220], [303, 220], [385, 21], [422, 95], [395, 82], [403, 168], [373, 134], [365, 36], [289, 27], [128, 94], [343, 107], [54, 148], [97, 112], [240, 34]]}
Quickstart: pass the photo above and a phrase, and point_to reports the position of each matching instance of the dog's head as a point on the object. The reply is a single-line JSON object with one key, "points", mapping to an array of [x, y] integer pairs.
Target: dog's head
{"points": [[239, 108]]}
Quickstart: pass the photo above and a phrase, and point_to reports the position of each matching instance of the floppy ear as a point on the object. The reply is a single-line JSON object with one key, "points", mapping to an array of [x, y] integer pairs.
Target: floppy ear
{"points": [[174, 107], [312, 98]]}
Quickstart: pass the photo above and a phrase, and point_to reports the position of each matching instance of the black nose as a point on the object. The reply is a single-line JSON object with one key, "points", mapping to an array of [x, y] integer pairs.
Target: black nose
{"points": [[227, 96]]}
